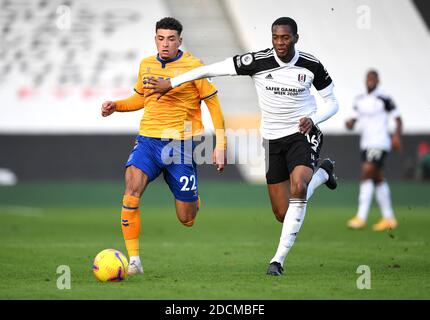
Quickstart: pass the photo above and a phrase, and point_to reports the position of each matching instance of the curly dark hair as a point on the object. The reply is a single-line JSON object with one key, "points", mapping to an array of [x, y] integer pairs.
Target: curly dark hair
{"points": [[169, 23]]}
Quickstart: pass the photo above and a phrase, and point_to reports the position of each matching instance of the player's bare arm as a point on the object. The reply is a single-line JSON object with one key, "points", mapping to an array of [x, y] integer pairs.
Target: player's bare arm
{"points": [[396, 140], [108, 107]]}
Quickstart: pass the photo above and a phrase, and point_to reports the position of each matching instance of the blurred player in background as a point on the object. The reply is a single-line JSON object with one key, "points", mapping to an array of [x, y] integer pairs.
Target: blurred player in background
{"points": [[372, 110], [164, 129], [283, 78]]}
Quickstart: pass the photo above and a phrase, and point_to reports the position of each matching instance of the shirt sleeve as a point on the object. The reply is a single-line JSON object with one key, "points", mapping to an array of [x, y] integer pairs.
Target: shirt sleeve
{"points": [[138, 86], [215, 111], [206, 88], [353, 114], [245, 64], [389, 105], [321, 77], [218, 69], [132, 103], [395, 113], [330, 107]]}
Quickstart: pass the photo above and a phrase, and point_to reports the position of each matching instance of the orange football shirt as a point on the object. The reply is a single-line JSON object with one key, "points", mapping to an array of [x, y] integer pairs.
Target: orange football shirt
{"points": [[177, 114]]}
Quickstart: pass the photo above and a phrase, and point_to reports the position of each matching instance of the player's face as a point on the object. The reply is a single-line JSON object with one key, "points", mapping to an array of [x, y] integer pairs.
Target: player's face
{"points": [[371, 82], [283, 40], [168, 43]]}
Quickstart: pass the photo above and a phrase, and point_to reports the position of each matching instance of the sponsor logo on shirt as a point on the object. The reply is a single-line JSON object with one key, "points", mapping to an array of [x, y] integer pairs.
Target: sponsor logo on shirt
{"points": [[285, 91]]}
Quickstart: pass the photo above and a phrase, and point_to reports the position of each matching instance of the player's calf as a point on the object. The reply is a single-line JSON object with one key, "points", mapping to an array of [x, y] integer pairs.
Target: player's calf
{"points": [[186, 212]]}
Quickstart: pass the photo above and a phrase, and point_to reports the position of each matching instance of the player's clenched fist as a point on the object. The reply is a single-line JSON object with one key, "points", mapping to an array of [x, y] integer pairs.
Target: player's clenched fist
{"points": [[108, 108], [305, 125]]}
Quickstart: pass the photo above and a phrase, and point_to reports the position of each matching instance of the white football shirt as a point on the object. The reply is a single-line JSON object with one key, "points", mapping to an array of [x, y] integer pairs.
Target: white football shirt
{"points": [[283, 89], [373, 111]]}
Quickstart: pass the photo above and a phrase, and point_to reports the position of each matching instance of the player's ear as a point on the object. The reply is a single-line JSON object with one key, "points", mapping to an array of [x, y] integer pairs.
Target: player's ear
{"points": [[180, 41], [296, 38]]}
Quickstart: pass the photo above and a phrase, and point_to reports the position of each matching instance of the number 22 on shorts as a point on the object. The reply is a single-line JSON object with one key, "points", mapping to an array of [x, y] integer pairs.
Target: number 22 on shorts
{"points": [[186, 181]]}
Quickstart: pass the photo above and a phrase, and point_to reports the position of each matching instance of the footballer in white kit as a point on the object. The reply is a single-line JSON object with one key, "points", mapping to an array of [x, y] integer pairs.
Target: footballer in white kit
{"points": [[283, 77], [373, 110]]}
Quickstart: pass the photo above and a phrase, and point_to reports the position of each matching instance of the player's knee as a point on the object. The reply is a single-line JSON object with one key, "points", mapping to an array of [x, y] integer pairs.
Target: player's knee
{"points": [[133, 188], [135, 181], [135, 192], [299, 189], [368, 172]]}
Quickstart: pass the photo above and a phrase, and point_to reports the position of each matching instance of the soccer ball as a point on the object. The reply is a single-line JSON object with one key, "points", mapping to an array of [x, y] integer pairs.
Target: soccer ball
{"points": [[110, 265]]}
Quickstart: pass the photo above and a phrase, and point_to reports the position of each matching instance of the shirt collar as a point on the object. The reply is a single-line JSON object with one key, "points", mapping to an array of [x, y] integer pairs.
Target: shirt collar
{"points": [[164, 62], [288, 64]]}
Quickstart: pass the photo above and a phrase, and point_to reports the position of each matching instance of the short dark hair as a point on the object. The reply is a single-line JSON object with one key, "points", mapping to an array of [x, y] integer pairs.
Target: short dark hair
{"points": [[286, 21], [374, 72], [169, 23]]}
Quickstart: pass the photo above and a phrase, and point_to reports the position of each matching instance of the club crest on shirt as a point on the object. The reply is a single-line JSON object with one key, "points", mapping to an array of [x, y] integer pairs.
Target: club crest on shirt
{"points": [[301, 78]]}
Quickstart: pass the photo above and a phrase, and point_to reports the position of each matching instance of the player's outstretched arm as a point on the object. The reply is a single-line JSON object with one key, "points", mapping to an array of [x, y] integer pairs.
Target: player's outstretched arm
{"points": [[218, 69], [132, 103]]}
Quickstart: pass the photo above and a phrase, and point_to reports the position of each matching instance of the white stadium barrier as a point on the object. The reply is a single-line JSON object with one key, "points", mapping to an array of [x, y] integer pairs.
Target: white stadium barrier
{"points": [[59, 60]]}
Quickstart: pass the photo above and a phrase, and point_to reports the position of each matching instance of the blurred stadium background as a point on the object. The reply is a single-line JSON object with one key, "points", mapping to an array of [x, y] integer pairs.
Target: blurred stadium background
{"points": [[59, 60]]}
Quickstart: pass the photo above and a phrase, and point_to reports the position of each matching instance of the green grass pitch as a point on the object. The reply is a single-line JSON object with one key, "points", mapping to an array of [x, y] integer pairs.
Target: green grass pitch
{"points": [[223, 256]]}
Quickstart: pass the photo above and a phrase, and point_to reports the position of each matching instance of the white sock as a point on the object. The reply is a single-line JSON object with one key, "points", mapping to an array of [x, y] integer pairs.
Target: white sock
{"points": [[319, 177], [384, 200], [135, 259], [365, 198], [291, 226]]}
